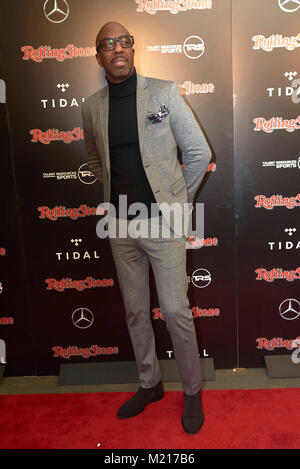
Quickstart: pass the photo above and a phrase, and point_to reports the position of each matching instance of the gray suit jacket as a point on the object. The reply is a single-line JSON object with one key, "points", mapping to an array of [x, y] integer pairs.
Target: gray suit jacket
{"points": [[158, 141]]}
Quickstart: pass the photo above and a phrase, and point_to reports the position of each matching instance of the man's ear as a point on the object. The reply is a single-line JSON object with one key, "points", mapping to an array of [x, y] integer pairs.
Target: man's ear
{"points": [[98, 58]]}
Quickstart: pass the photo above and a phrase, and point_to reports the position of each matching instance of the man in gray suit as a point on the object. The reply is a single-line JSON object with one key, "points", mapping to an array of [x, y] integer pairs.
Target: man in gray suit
{"points": [[132, 128]]}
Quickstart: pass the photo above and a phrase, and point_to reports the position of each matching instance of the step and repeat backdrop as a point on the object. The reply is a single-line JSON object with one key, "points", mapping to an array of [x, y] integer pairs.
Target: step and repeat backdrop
{"points": [[235, 62]]}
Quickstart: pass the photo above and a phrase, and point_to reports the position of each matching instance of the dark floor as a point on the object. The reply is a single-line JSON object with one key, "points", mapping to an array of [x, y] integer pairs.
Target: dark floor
{"points": [[249, 378]]}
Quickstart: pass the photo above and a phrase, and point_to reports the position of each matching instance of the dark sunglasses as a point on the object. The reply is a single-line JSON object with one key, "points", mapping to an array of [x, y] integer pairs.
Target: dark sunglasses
{"points": [[109, 43]]}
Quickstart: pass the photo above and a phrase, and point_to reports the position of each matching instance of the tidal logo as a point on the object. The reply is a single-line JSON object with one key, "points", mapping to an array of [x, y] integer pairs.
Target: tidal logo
{"points": [[61, 103], [77, 255], [285, 245], [292, 91], [170, 353]]}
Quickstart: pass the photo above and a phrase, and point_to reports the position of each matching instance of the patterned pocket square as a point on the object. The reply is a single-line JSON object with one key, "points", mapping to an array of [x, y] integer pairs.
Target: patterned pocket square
{"points": [[156, 118]]}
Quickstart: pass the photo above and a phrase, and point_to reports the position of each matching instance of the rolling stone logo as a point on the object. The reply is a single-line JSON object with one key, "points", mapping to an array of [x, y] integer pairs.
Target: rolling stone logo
{"points": [[84, 352], [55, 135], [196, 311], [277, 201], [276, 123], [7, 321], [79, 285], [173, 6], [58, 212], [268, 44], [60, 55], [277, 274], [276, 342], [188, 88]]}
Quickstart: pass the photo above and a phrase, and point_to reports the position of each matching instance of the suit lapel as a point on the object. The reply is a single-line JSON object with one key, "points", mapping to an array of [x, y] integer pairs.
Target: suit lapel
{"points": [[142, 98], [103, 118]]}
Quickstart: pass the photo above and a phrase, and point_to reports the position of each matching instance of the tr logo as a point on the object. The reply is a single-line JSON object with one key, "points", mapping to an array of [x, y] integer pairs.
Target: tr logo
{"points": [[193, 47], [201, 278], [56, 11], [289, 6]]}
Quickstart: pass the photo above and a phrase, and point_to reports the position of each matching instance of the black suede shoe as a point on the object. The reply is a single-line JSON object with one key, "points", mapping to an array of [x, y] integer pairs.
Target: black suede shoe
{"points": [[193, 416], [136, 404]]}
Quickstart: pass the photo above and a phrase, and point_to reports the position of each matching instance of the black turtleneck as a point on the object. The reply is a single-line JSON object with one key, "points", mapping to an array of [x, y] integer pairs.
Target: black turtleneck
{"points": [[127, 171]]}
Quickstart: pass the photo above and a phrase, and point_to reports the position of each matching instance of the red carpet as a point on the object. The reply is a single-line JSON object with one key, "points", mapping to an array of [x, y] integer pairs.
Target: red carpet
{"points": [[264, 418]]}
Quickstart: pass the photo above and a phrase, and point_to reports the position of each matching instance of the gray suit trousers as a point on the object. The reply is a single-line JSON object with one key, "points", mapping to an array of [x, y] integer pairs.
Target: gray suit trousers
{"points": [[167, 257]]}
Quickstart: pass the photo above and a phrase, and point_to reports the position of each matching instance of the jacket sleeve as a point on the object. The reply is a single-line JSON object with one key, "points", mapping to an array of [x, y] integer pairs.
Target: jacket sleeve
{"points": [[188, 135], [91, 153]]}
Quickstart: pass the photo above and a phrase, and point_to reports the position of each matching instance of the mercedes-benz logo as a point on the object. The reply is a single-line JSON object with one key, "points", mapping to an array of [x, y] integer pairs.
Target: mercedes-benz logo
{"points": [[289, 6], [201, 278], [193, 47], [56, 11], [289, 309], [82, 318]]}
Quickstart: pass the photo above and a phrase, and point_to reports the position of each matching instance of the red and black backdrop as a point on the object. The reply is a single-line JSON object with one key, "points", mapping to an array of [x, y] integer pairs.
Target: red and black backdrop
{"points": [[237, 64]]}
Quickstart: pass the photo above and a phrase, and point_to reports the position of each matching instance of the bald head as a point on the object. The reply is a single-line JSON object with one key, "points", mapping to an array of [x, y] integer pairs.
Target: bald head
{"points": [[118, 62], [110, 26]]}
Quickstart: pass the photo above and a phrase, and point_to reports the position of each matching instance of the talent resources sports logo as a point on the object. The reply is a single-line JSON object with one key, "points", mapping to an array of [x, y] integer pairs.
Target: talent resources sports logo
{"points": [[55, 135], [79, 285], [83, 174], [277, 274], [193, 48], [86, 352], [60, 55], [73, 213], [268, 44], [173, 6], [276, 123], [277, 201], [282, 164]]}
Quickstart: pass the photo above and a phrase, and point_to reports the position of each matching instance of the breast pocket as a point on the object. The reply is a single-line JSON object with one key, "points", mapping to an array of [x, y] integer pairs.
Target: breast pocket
{"points": [[158, 129]]}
